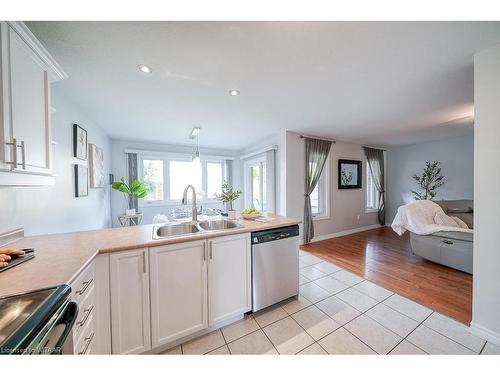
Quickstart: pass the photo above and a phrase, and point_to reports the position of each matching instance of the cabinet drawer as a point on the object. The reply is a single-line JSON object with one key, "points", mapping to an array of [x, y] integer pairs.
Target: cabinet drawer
{"points": [[84, 344], [86, 309], [83, 283]]}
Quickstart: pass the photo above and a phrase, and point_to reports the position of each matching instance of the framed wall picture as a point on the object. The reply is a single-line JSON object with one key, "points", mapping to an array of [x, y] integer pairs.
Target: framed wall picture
{"points": [[350, 174], [96, 163], [81, 181], [79, 142]]}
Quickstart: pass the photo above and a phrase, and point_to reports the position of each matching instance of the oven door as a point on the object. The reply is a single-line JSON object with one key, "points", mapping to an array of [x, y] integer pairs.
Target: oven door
{"points": [[38, 322], [56, 336]]}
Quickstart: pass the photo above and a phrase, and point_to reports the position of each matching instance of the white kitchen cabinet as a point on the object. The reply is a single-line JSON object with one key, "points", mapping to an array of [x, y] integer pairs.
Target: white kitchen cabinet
{"points": [[229, 277], [102, 341], [167, 293], [27, 70], [130, 305], [178, 291]]}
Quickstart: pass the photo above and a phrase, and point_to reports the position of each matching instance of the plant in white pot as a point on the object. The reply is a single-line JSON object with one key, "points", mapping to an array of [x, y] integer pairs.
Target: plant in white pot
{"points": [[227, 196], [135, 189]]}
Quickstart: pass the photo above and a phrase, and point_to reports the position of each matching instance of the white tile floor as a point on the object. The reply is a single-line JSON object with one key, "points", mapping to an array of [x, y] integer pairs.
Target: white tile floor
{"points": [[338, 312]]}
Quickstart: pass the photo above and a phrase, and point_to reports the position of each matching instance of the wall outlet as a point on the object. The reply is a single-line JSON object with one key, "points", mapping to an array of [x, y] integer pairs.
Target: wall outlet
{"points": [[358, 217]]}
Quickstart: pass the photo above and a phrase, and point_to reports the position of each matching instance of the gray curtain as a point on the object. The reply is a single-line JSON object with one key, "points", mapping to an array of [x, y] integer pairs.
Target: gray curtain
{"points": [[229, 171], [375, 159], [317, 151], [132, 175]]}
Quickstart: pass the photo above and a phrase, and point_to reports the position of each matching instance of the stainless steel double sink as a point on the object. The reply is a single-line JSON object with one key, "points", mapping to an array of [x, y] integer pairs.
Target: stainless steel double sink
{"points": [[184, 229]]}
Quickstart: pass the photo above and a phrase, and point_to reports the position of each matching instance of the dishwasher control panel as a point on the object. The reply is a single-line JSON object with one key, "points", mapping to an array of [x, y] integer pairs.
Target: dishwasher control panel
{"points": [[275, 234]]}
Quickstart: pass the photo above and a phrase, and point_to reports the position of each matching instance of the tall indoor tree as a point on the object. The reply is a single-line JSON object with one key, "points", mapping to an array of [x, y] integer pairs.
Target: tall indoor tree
{"points": [[429, 181]]}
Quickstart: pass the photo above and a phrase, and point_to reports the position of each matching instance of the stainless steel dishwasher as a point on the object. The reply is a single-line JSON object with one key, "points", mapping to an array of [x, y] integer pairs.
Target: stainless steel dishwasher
{"points": [[275, 266]]}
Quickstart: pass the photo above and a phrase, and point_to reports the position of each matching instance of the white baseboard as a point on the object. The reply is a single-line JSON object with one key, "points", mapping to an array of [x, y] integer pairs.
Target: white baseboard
{"points": [[344, 232], [485, 333]]}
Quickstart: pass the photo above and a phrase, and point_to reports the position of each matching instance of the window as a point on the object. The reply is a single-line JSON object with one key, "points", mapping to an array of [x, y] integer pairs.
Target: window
{"points": [[214, 178], [256, 184], [181, 174], [372, 194], [153, 178], [259, 180], [167, 176], [319, 196]]}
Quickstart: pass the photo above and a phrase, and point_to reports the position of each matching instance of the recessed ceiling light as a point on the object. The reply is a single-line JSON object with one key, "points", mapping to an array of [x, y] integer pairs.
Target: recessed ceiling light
{"points": [[145, 69], [234, 92]]}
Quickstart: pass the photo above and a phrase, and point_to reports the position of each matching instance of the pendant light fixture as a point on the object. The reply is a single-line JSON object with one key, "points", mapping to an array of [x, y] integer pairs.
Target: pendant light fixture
{"points": [[196, 151]]}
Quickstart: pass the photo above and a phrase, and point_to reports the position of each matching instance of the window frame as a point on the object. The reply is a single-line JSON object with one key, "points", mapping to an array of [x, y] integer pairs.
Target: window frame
{"points": [[248, 164], [371, 190], [324, 191], [166, 158]]}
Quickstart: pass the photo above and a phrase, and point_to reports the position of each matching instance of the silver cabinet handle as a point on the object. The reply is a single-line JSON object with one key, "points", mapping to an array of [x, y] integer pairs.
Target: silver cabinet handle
{"points": [[86, 317], [204, 252], [211, 250], [144, 261], [88, 341], [86, 285], [14, 152], [15, 146], [23, 155]]}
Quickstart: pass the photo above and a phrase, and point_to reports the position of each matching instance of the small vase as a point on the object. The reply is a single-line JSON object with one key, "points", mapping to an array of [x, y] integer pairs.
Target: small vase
{"points": [[231, 214], [130, 211]]}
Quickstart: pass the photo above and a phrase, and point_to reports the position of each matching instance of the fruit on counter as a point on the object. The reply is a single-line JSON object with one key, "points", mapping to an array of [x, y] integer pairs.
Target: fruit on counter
{"points": [[251, 211]]}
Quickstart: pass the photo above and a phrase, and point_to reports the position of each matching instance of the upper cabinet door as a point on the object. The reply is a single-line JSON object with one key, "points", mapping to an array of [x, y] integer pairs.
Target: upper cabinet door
{"points": [[229, 277], [129, 292], [30, 111], [26, 73], [178, 291]]}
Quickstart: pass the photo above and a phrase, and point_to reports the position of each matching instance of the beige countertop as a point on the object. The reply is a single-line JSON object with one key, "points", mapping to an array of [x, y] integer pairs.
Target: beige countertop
{"points": [[59, 258]]}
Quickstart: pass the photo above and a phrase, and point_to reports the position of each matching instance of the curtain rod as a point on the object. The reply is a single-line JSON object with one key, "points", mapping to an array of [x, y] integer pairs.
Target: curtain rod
{"points": [[320, 138], [378, 148]]}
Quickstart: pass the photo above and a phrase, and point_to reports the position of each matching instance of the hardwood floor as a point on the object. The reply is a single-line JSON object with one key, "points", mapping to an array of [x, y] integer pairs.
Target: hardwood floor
{"points": [[384, 258]]}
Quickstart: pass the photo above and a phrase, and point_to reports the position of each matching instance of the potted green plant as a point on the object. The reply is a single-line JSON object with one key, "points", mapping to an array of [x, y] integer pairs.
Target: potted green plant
{"points": [[227, 196], [430, 180], [134, 189]]}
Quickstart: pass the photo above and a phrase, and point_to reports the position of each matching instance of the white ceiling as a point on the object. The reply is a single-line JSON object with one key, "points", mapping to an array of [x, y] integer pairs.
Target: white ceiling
{"points": [[379, 83]]}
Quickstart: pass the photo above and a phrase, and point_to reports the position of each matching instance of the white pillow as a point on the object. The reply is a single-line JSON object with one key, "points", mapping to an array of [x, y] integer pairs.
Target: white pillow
{"points": [[442, 219], [460, 222]]}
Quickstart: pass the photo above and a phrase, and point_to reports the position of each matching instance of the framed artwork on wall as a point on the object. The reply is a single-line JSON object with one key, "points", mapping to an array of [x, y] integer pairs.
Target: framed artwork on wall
{"points": [[96, 164], [350, 174], [81, 181], [79, 142]]}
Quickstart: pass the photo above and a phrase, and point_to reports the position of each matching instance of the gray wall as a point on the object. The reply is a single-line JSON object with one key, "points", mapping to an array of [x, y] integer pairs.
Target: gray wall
{"points": [[486, 293], [54, 209], [456, 156]]}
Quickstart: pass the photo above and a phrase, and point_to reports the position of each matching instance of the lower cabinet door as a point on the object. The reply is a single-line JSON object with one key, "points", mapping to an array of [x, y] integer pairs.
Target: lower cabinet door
{"points": [[129, 293], [229, 277], [178, 291]]}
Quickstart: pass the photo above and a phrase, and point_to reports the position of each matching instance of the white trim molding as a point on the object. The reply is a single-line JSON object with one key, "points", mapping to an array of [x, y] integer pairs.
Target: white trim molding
{"points": [[25, 33], [485, 333], [322, 237], [173, 154], [258, 152]]}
